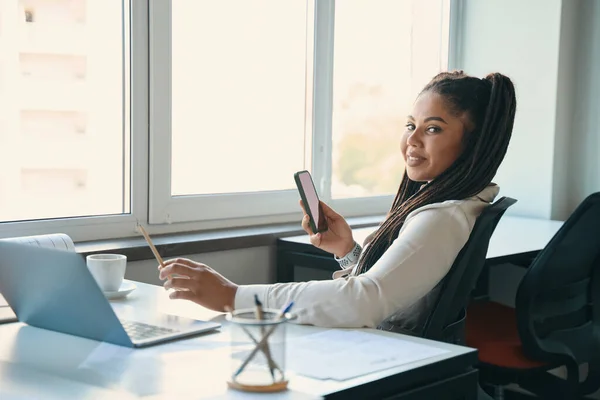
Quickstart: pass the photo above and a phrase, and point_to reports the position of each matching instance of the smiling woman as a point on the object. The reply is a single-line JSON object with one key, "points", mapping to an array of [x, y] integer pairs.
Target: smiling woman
{"points": [[460, 155], [433, 138], [455, 139]]}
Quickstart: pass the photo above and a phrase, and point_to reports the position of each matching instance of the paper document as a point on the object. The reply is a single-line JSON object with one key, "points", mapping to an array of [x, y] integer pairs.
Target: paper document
{"points": [[55, 240], [341, 355]]}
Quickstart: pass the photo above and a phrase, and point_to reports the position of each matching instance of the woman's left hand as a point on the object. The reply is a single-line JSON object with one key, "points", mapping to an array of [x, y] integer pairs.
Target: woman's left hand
{"points": [[199, 283]]}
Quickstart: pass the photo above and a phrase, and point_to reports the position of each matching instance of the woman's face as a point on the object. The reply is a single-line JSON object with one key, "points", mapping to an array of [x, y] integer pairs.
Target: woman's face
{"points": [[433, 137]]}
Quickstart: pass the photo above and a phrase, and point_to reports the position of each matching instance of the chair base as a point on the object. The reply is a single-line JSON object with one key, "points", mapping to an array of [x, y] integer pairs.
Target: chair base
{"points": [[506, 393], [541, 385], [510, 394]]}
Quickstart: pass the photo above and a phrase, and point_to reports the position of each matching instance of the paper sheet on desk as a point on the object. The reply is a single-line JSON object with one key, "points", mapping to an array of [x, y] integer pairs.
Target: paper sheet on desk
{"points": [[54, 240], [341, 355]]}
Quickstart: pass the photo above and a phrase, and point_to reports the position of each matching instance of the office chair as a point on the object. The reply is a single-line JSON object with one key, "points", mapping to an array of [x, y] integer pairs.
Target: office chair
{"points": [[556, 319], [446, 323]]}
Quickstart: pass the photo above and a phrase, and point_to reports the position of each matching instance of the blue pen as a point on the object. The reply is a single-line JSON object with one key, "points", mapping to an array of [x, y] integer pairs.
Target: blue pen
{"points": [[260, 344], [286, 309]]}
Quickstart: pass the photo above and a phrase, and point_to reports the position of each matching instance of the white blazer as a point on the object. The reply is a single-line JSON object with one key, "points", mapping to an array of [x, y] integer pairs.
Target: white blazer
{"points": [[419, 258]]}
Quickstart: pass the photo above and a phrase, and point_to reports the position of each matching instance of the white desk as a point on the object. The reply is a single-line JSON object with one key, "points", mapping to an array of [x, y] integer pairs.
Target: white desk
{"points": [[513, 237], [41, 364], [518, 235]]}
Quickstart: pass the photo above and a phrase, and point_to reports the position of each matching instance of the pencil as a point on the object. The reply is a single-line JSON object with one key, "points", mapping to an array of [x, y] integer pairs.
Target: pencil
{"points": [[154, 251], [266, 350], [260, 345], [256, 342], [153, 248]]}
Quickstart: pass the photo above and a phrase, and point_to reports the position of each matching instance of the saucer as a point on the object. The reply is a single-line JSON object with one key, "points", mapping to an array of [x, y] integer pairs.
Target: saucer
{"points": [[126, 288]]}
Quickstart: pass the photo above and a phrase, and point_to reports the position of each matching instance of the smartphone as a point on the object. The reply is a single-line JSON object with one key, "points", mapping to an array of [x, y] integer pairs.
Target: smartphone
{"points": [[312, 205]]}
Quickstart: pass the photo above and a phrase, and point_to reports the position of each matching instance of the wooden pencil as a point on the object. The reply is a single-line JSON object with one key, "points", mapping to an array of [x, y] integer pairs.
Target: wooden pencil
{"points": [[154, 250]]}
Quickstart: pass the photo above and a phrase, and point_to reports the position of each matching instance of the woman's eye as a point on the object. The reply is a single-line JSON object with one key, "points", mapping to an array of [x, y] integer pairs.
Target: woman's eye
{"points": [[410, 127], [434, 129]]}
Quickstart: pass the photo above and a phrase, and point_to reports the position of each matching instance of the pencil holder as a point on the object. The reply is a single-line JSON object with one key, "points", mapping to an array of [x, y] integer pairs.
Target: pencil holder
{"points": [[258, 350]]}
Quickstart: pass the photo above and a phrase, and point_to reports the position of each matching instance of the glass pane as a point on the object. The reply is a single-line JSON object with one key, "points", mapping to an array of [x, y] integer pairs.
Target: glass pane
{"points": [[238, 95], [385, 51], [63, 120]]}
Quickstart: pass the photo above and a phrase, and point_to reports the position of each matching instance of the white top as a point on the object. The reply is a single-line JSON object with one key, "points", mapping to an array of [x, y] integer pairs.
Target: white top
{"points": [[419, 258]]}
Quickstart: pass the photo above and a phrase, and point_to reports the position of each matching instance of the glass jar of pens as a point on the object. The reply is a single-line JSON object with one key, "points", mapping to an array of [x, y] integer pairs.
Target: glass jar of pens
{"points": [[258, 348]]}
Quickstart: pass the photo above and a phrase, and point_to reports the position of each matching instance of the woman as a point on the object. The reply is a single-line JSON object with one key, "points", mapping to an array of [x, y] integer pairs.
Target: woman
{"points": [[454, 142]]}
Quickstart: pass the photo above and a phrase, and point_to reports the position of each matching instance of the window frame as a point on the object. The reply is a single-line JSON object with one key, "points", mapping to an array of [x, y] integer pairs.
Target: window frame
{"points": [[114, 225], [149, 183], [210, 210], [246, 208]]}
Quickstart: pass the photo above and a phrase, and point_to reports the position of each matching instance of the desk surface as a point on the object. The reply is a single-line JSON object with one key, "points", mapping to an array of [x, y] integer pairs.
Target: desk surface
{"points": [[41, 364], [513, 235]]}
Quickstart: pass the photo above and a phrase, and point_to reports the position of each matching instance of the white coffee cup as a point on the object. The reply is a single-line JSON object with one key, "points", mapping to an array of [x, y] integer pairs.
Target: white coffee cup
{"points": [[108, 270]]}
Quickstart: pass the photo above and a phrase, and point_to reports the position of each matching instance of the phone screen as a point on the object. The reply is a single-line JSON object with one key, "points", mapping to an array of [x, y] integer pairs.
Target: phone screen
{"points": [[311, 201]]}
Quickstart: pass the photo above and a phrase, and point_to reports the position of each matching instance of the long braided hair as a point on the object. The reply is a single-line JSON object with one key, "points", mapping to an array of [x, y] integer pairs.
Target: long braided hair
{"points": [[489, 105]]}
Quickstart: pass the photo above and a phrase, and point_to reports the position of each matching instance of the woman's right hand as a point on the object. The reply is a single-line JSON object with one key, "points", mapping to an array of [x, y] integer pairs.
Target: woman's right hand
{"points": [[337, 239]]}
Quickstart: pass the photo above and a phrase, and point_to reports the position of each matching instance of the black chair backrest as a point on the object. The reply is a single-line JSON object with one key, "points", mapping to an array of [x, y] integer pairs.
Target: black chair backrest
{"points": [[558, 299], [446, 322]]}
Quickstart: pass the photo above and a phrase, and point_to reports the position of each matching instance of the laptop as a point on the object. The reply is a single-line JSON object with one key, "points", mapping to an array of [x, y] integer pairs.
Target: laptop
{"points": [[6, 313], [53, 289]]}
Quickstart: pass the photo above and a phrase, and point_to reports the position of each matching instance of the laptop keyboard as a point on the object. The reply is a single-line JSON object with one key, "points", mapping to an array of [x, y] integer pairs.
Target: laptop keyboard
{"points": [[140, 331]]}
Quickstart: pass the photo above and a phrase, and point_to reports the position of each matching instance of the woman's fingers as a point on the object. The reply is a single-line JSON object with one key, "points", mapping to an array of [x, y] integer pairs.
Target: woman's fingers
{"points": [[328, 211], [179, 269], [306, 225], [315, 240], [182, 295], [179, 283], [184, 261], [302, 206]]}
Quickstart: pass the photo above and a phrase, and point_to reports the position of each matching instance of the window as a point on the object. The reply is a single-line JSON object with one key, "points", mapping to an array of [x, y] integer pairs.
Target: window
{"points": [[250, 106], [385, 51], [234, 96], [238, 123], [52, 124], [195, 114], [29, 16], [64, 100]]}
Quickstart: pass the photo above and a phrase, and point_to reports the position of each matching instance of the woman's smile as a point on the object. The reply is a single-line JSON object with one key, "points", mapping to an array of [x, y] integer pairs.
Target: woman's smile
{"points": [[414, 160]]}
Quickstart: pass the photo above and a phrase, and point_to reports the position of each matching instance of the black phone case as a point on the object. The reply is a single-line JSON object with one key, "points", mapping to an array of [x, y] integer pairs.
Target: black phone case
{"points": [[303, 197]]}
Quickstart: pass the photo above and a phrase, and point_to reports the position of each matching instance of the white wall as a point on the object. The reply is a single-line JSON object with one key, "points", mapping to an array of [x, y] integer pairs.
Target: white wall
{"points": [[584, 131], [565, 108], [242, 266], [521, 40], [551, 51]]}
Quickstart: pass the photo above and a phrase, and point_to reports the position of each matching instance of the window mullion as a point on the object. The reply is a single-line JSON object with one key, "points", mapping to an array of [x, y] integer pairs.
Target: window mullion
{"points": [[455, 28], [139, 118], [160, 111], [323, 96]]}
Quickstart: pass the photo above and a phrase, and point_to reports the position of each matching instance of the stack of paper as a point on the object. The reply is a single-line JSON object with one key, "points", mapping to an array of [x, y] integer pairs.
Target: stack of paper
{"points": [[346, 354], [54, 240]]}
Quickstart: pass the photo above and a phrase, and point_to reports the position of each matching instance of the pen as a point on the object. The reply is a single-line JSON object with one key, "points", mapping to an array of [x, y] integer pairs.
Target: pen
{"points": [[266, 350], [262, 342]]}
